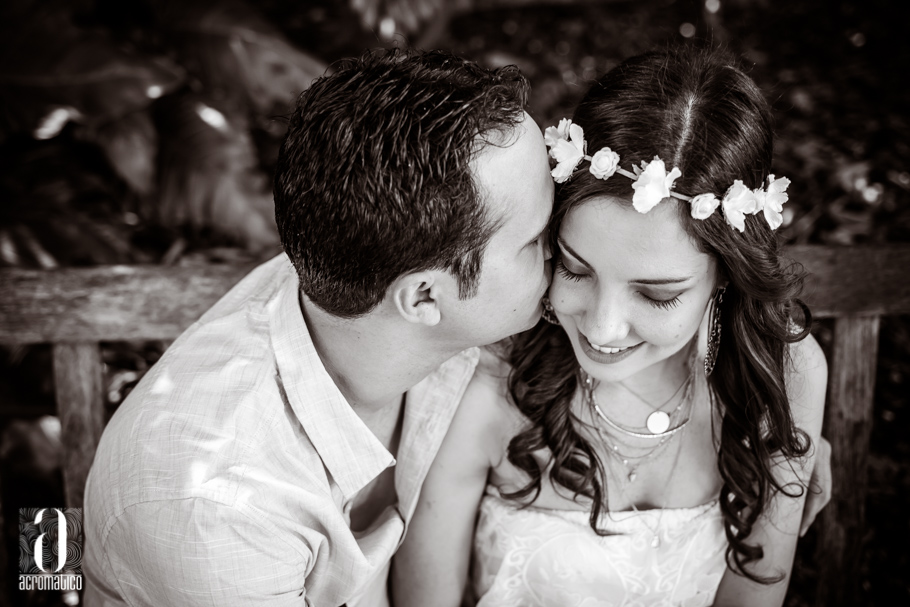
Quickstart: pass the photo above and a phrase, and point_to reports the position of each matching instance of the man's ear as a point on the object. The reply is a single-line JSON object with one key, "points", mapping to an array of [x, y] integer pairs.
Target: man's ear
{"points": [[415, 296]]}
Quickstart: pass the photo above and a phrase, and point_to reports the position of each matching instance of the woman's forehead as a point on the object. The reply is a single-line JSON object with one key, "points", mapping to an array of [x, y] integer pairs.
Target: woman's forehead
{"points": [[610, 231]]}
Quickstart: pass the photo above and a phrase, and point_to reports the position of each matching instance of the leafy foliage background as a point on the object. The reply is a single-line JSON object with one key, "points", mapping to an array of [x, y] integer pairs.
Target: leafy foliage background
{"points": [[146, 132]]}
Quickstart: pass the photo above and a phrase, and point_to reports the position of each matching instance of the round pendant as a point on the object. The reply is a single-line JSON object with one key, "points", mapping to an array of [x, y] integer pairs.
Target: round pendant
{"points": [[658, 422]]}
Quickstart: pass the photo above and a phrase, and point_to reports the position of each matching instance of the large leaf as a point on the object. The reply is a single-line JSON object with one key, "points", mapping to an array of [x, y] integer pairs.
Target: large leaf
{"points": [[209, 174], [131, 146], [63, 206], [389, 17], [237, 54], [52, 72]]}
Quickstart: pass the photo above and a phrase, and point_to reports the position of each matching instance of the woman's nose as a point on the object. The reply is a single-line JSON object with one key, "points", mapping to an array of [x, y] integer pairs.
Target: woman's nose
{"points": [[607, 322]]}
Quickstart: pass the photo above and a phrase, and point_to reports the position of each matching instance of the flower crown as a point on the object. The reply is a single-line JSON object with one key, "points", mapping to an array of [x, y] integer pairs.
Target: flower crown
{"points": [[652, 183]]}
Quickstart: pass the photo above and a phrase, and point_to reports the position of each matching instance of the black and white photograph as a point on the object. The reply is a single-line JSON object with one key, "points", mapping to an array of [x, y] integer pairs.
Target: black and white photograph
{"points": [[454, 303]]}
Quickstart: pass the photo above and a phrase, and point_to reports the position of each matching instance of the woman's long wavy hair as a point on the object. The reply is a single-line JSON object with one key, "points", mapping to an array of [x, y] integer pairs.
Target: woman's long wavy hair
{"points": [[696, 110]]}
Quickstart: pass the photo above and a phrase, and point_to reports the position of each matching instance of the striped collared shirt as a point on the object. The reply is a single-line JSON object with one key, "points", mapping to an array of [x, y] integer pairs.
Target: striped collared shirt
{"points": [[227, 475]]}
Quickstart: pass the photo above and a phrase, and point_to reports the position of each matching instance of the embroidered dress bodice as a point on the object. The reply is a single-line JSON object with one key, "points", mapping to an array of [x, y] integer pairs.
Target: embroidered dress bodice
{"points": [[535, 557]]}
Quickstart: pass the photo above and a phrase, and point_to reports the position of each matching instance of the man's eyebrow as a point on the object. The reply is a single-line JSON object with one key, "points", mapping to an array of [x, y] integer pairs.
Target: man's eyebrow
{"points": [[563, 245]]}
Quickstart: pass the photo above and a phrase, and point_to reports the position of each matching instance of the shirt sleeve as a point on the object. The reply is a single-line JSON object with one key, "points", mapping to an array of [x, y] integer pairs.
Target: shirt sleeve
{"points": [[194, 552]]}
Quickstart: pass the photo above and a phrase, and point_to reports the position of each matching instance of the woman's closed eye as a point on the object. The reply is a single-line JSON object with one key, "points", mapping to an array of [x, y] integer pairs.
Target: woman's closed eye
{"points": [[566, 272], [664, 304], [570, 271]]}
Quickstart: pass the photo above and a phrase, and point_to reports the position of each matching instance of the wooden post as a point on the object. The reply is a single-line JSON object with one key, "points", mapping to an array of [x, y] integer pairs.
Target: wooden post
{"points": [[848, 424], [80, 405], [6, 584]]}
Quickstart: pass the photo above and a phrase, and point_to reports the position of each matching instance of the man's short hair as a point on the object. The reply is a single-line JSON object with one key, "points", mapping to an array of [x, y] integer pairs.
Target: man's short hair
{"points": [[373, 178]]}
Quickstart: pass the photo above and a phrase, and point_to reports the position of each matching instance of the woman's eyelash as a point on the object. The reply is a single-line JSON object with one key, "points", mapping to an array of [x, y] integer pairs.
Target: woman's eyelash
{"points": [[566, 272], [663, 304]]}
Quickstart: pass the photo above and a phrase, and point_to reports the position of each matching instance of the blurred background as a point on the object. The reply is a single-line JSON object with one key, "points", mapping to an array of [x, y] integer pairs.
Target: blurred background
{"points": [[146, 132]]}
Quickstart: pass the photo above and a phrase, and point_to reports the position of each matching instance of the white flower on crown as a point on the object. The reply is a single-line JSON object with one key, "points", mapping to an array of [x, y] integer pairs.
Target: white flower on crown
{"points": [[771, 200], [653, 184], [567, 146], [554, 133], [738, 202], [703, 206], [604, 163]]}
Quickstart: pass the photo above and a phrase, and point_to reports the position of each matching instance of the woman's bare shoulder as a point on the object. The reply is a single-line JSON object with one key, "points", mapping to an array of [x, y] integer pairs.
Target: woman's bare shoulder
{"points": [[488, 403], [808, 358], [807, 380]]}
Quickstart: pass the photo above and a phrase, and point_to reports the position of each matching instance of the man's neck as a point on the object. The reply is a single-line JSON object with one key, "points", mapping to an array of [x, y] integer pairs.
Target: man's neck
{"points": [[373, 360]]}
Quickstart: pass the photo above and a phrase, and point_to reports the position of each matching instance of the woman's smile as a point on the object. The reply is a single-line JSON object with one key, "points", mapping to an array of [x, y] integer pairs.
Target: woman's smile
{"points": [[605, 354]]}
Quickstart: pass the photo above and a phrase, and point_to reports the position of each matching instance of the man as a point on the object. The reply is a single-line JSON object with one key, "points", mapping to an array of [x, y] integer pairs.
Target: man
{"points": [[275, 453]]}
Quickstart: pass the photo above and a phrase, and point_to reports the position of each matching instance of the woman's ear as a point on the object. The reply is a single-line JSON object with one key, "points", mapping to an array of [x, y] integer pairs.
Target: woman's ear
{"points": [[720, 276], [415, 297], [721, 281]]}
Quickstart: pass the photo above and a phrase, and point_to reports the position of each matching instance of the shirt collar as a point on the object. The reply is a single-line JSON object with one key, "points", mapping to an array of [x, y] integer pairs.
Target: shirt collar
{"points": [[429, 409], [351, 453]]}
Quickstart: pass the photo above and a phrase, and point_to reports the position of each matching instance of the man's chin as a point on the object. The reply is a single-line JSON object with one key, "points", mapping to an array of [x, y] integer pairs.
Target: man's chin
{"points": [[531, 323], [514, 330]]}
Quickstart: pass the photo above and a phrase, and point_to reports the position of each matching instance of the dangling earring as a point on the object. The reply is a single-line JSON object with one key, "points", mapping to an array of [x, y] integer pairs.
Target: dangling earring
{"points": [[714, 331], [548, 314]]}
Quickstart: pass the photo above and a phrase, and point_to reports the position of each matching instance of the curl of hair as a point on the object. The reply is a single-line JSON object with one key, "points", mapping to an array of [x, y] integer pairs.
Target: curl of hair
{"points": [[697, 110], [373, 178]]}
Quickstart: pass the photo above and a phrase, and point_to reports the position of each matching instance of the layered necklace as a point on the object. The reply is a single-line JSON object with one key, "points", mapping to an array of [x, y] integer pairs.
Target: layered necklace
{"points": [[655, 531], [658, 425], [662, 425], [658, 422]]}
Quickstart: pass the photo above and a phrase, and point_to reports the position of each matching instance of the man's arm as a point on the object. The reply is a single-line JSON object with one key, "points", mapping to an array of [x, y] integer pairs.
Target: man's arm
{"points": [[819, 487], [200, 552]]}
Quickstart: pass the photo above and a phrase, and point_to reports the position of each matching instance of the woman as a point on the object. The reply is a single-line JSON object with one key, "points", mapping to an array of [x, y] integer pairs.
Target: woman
{"points": [[651, 443]]}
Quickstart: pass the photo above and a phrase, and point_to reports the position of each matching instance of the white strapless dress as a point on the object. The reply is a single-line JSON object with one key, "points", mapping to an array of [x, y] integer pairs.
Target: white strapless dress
{"points": [[535, 557]]}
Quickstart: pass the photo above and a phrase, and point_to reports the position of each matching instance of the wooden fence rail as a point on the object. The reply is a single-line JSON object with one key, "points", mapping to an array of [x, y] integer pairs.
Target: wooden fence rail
{"points": [[75, 309]]}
